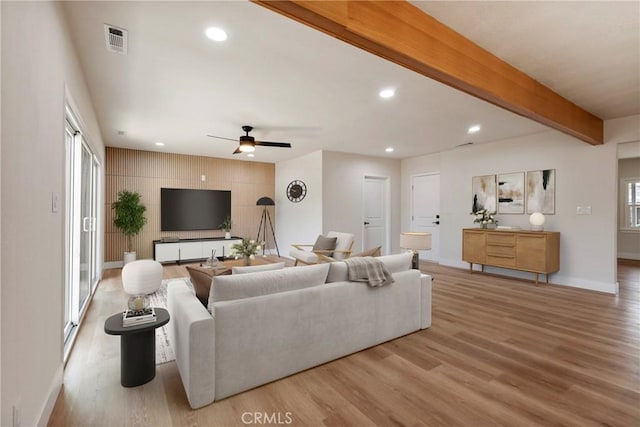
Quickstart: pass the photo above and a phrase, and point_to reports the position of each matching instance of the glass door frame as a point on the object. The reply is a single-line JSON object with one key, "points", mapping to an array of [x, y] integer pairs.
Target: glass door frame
{"points": [[76, 225]]}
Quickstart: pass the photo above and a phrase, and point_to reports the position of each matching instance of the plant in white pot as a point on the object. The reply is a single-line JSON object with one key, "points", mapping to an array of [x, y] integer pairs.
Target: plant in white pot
{"points": [[226, 226], [129, 218]]}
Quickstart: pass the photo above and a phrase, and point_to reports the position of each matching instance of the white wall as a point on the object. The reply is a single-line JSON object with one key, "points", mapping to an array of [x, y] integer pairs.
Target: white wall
{"points": [[334, 197], [585, 176], [1, 412], [38, 63], [298, 222], [621, 130], [343, 176]]}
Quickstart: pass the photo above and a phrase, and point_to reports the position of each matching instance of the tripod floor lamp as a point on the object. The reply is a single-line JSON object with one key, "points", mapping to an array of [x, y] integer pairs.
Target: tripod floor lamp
{"points": [[264, 202]]}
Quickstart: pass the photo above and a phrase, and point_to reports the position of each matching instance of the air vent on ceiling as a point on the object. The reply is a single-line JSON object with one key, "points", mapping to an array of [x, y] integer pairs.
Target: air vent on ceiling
{"points": [[116, 39]]}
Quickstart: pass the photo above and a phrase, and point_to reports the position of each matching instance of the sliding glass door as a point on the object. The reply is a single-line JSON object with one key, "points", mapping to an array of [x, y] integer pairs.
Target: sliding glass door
{"points": [[85, 226], [81, 266]]}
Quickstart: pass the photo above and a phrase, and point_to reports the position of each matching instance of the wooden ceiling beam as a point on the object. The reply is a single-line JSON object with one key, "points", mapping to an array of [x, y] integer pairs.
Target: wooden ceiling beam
{"points": [[402, 33]]}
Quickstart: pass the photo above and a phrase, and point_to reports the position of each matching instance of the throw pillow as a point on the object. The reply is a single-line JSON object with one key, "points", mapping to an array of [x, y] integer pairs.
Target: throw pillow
{"points": [[256, 268], [325, 244], [369, 252], [201, 282]]}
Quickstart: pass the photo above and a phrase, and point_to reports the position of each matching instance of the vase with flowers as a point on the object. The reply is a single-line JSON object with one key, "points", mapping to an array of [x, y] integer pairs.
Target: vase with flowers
{"points": [[247, 249], [484, 218]]}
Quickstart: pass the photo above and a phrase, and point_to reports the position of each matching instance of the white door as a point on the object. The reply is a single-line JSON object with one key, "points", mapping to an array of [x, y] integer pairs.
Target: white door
{"points": [[376, 213], [425, 211]]}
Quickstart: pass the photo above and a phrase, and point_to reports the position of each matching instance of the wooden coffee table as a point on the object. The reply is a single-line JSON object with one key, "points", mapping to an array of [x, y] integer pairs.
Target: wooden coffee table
{"points": [[224, 267]]}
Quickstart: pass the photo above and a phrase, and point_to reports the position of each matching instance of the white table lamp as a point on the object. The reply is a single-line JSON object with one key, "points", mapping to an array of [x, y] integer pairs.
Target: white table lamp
{"points": [[537, 221], [415, 241]]}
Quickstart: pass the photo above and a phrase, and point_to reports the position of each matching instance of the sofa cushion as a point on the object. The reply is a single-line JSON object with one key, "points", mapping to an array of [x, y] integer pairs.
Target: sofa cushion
{"points": [[325, 244], [307, 257], [256, 268], [344, 243], [337, 272], [234, 287], [394, 264], [398, 262]]}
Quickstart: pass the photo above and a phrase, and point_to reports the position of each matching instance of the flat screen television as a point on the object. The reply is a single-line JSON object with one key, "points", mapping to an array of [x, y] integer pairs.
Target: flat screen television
{"points": [[186, 209]]}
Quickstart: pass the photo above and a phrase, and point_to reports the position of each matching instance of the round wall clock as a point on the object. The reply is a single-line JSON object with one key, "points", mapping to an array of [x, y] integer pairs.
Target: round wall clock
{"points": [[296, 190]]}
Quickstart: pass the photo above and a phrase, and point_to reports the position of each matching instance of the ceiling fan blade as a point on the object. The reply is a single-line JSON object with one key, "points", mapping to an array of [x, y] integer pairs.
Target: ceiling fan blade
{"points": [[237, 151], [221, 137], [273, 144]]}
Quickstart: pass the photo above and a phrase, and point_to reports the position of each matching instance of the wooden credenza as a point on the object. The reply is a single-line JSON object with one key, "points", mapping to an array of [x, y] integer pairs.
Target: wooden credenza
{"points": [[534, 251]]}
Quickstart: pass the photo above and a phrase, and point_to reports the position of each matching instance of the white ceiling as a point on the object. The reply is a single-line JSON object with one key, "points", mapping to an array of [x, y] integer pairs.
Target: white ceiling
{"points": [[589, 52], [298, 85]]}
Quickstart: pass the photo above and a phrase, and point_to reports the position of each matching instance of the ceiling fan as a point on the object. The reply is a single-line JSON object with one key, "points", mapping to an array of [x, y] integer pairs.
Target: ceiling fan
{"points": [[248, 143]]}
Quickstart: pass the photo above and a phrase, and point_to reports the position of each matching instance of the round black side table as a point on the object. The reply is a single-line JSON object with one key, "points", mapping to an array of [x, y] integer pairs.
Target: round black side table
{"points": [[137, 347]]}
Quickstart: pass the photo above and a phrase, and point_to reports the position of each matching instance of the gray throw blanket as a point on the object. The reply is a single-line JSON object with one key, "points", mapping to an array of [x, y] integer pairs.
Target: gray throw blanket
{"points": [[368, 269]]}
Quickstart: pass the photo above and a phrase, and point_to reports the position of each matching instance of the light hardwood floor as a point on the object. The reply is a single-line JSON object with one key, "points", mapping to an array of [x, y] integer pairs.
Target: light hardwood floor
{"points": [[500, 351]]}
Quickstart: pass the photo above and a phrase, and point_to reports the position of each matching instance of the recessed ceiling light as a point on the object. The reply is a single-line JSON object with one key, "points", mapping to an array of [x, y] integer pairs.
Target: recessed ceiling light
{"points": [[251, 155], [160, 144], [216, 34], [389, 149], [387, 93], [474, 129]]}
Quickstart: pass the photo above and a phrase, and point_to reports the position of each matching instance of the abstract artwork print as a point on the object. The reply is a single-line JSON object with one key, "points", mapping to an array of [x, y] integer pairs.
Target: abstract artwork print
{"points": [[484, 193], [511, 193], [541, 191]]}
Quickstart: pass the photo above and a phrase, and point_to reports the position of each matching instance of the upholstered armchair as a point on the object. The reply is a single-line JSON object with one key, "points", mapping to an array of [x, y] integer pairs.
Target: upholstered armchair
{"points": [[332, 247]]}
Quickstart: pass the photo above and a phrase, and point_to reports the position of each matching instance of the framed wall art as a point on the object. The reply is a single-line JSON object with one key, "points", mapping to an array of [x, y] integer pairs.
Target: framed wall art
{"points": [[541, 191], [511, 193], [483, 190]]}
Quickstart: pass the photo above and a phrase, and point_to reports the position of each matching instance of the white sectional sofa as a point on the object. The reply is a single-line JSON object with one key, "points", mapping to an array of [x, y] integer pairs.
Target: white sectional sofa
{"points": [[268, 325]]}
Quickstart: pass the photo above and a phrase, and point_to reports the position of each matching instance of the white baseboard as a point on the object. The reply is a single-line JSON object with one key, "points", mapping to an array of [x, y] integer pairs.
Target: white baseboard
{"points": [[456, 263], [113, 264], [629, 255], [54, 391], [574, 282]]}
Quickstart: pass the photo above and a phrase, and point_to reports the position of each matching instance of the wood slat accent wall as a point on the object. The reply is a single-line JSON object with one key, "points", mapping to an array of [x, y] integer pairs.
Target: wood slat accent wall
{"points": [[146, 172]]}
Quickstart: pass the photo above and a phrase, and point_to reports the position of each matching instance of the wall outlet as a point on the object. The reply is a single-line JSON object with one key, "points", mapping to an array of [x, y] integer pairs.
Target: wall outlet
{"points": [[583, 210], [203, 178]]}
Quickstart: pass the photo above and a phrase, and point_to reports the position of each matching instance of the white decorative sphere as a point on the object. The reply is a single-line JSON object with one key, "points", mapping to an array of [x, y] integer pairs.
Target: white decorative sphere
{"points": [[537, 221]]}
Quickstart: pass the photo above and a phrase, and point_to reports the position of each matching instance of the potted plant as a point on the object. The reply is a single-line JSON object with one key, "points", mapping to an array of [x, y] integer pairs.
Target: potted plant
{"points": [[247, 249], [226, 226], [484, 218], [129, 218]]}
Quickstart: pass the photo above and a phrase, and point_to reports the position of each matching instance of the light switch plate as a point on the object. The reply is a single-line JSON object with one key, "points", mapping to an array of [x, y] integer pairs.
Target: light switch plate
{"points": [[54, 202]]}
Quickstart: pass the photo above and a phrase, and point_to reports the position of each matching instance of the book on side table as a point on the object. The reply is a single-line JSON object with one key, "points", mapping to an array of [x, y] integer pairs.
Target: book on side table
{"points": [[138, 317]]}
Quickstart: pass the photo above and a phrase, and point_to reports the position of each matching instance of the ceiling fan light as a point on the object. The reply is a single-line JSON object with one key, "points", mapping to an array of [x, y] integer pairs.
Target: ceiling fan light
{"points": [[246, 147]]}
